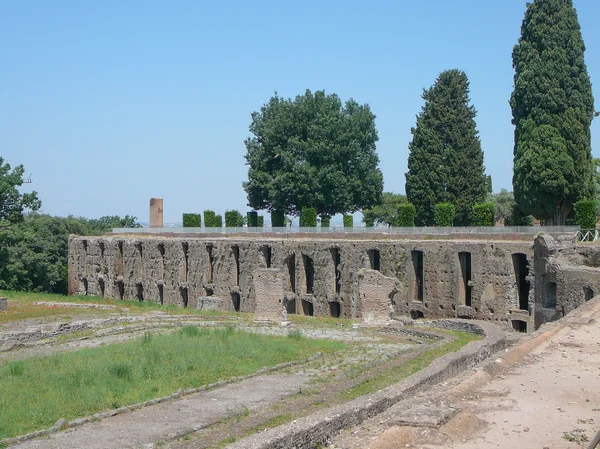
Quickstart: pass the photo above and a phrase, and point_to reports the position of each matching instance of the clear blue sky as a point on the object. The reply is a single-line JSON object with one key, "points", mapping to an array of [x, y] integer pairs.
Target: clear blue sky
{"points": [[110, 103]]}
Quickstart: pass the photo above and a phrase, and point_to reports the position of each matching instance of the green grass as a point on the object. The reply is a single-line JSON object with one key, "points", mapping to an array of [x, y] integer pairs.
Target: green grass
{"points": [[35, 393], [397, 373], [22, 307]]}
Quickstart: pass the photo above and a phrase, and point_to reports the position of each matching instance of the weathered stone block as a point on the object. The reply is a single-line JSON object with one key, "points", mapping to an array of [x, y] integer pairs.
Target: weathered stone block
{"points": [[209, 303], [375, 291], [3, 304], [268, 287]]}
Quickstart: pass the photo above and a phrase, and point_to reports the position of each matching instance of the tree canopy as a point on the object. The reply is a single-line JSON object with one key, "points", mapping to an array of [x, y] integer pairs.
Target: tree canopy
{"points": [[313, 151], [12, 202], [385, 212], [552, 107], [445, 163]]}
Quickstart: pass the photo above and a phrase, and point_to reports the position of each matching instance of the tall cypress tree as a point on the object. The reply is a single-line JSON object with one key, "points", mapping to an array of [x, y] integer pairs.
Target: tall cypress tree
{"points": [[553, 108], [445, 163]]}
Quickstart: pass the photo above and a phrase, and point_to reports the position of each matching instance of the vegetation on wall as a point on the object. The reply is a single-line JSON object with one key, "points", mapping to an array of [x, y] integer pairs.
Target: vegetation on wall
{"points": [[445, 164], [299, 155], [192, 220], [553, 108]]}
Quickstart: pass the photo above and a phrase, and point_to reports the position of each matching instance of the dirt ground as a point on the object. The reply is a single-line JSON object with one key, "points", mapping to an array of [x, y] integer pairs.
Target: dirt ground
{"points": [[549, 399]]}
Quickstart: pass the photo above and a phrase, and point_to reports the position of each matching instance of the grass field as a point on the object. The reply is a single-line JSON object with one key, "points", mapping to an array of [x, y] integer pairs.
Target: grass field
{"points": [[35, 393]]}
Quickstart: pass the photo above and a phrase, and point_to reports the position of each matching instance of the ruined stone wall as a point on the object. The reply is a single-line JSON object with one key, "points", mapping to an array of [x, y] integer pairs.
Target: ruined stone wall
{"points": [[567, 274], [320, 277]]}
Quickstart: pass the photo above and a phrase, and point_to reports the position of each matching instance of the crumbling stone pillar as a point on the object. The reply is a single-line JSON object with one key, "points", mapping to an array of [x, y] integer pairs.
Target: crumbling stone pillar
{"points": [[3, 304], [268, 289], [375, 292], [156, 213]]}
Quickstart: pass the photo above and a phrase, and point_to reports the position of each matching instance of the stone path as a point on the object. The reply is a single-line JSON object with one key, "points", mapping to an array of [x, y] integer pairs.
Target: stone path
{"points": [[149, 425]]}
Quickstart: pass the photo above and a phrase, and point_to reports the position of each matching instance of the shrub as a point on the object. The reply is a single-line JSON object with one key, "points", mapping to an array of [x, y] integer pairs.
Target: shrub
{"points": [[325, 221], [252, 218], [233, 219], [444, 214], [483, 214], [308, 217], [348, 221], [369, 220], [209, 218], [518, 219], [192, 220], [406, 215], [218, 221], [277, 219], [261, 221], [585, 213]]}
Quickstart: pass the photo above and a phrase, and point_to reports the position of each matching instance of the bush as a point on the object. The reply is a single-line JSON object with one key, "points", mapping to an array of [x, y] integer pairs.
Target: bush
{"points": [[308, 217], [252, 218], [261, 221], [444, 214], [209, 218], [348, 221], [517, 218], [277, 219], [325, 221], [406, 215], [218, 221], [483, 214], [233, 219], [369, 220], [585, 213], [192, 220]]}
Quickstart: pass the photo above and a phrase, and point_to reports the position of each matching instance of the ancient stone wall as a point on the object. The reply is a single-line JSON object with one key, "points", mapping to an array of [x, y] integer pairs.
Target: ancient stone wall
{"points": [[567, 274], [433, 279]]}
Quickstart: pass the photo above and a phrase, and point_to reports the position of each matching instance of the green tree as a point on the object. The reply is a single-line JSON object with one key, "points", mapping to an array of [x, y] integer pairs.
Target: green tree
{"points": [[505, 203], [552, 107], [313, 151], [12, 202], [445, 163], [386, 211]]}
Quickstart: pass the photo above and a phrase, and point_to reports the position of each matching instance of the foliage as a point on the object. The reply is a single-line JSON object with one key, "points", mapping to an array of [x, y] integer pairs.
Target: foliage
{"points": [[33, 252], [406, 215], [87, 381], [445, 164], [313, 151], [12, 202], [386, 211], [252, 218], [233, 219], [277, 219], [348, 221], [261, 221], [483, 214], [192, 220], [325, 221], [504, 204], [585, 213], [308, 217], [552, 107], [518, 218], [218, 221], [444, 214], [209, 218]]}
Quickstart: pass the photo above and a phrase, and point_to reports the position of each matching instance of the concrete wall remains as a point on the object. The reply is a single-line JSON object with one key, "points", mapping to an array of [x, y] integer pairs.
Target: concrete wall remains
{"points": [[432, 279]]}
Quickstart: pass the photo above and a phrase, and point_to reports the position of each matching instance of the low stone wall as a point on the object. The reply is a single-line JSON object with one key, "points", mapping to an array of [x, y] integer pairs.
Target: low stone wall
{"points": [[320, 427]]}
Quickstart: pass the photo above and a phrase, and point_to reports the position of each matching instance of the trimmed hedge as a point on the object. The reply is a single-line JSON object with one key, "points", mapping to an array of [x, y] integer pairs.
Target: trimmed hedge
{"points": [[277, 219], [252, 218], [233, 219], [348, 221], [209, 218], [192, 220], [483, 214], [585, 213], [261, 221], [444, 214], [218, 221], [406, 215], [325, 221], [369, 222], [308, 217]]}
